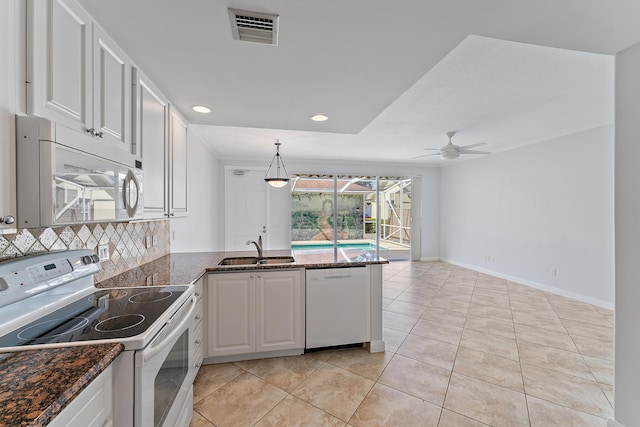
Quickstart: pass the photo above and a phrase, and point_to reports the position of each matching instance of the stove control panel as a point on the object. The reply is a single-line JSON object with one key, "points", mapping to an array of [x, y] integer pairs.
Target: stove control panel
{"points": [[24, 277]]}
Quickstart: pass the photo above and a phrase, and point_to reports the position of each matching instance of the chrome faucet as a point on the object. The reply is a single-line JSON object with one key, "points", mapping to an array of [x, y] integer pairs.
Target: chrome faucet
{"points": [[258, 245]]}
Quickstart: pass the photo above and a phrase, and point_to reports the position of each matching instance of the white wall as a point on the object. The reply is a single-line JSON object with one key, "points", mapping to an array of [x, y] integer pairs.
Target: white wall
{"points": [[202, 230], [627, 232], [533, 209], [430, 221]]}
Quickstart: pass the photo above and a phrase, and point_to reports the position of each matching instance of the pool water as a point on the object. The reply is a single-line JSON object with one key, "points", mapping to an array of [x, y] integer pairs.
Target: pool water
{"points": [[363, 246]]}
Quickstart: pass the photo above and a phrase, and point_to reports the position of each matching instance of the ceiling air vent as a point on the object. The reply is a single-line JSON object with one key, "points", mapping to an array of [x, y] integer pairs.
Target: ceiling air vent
{"points": [[254, 26]]}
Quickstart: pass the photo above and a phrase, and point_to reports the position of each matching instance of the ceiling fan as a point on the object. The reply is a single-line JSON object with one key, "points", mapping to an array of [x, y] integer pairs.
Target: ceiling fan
{"points": [[452, 151]]}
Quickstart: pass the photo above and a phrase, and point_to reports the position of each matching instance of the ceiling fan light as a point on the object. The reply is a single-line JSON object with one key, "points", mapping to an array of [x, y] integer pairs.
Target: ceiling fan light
{"points": [[449, 155], [277, 175]]}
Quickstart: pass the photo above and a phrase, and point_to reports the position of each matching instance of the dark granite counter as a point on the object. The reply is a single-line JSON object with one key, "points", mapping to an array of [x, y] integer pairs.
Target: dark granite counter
{"points": [[180, 268], [36, 385]]}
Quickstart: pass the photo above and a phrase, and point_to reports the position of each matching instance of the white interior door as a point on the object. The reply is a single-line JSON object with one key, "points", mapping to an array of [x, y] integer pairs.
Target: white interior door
{"points": [[245, 208]]}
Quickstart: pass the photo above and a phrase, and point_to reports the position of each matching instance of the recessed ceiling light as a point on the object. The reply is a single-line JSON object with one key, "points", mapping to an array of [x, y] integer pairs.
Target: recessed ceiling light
{"points": [[319, 117], [201, 109]]}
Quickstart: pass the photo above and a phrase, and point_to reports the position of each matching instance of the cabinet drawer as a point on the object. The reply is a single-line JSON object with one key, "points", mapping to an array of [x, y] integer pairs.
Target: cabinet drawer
{"points": [[198, 289], [198, 313]]}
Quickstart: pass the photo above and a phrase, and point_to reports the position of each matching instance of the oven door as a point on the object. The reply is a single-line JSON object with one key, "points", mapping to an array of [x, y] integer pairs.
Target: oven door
{"points": [[164, 374]]}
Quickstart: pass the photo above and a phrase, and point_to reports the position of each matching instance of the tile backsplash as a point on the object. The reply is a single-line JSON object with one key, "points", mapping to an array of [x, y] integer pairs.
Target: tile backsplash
{"points": [[126, 240]]}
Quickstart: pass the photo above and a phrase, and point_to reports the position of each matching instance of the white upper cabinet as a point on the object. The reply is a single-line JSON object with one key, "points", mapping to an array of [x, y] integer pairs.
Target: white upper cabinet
{"points": [[178, 167], [151, 124], [76, 74]]}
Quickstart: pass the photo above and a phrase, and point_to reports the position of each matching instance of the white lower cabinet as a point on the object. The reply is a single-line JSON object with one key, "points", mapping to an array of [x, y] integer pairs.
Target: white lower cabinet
{"points": [[93, 407], [254, 312]]}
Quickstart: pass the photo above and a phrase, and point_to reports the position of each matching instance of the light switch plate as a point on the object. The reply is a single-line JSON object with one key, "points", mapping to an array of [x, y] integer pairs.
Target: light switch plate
{"points": [[155, 240], [147, 242]]}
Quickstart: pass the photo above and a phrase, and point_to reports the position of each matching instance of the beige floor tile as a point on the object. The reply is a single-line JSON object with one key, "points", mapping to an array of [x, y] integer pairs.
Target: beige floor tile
{"points": [[440, 315], [361, 362], [199, 421], [296, 412], [397, 321], [437, 331], [486, 402], [455, 296], [603, 333], [428, 350], [567, 362], [212, 377], [561, 302], [491, 301], [406, 308], [427, 291], [492, 293], [517, 288], [561, 340], [547, 414], [283, 372], [608, 392], [490, 326], [410, 297], [334, 390], [518, 296], [386, 407], [452, 419], [538, 308], [550, 322], [418, 379], [390, 293], [602, 369], [449, 304], [593, 347], [489, 368], [395, 285], [493, 312], [242, 401], [592, 318], [489, 343], [573, 392], [393, 339]]}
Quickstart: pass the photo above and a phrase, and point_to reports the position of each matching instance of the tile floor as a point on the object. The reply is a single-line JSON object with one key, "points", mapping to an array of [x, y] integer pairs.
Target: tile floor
{"points": [[463, 349]]}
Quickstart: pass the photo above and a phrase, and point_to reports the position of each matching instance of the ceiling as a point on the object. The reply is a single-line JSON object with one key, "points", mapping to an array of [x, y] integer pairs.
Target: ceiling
{"points": [[393, 77]]}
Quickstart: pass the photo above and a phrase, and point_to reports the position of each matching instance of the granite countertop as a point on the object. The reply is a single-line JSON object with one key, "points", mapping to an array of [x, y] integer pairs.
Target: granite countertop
{"points": [[35, 385], [181, 268]]}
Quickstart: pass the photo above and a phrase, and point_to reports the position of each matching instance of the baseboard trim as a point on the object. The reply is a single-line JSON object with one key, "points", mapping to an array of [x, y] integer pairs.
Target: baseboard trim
{"points": [[613, 423], [541, 286]]}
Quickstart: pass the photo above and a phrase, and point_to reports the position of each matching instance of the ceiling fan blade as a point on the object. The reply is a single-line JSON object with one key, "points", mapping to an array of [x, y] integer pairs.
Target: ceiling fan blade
{"points": [[462, 147], [431, 149], [474, 152], [426, 155]]}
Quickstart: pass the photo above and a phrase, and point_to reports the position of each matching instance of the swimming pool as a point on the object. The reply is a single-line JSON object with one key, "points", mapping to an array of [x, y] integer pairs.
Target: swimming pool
{"points": [[311, 246]]}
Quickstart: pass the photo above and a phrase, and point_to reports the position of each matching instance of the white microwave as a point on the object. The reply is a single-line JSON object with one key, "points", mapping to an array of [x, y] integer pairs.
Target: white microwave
{"points": [[65, 177]]}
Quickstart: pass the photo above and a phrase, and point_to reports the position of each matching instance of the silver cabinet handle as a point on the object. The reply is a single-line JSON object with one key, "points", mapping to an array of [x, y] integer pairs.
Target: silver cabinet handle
{"points": [[93, 132], [197, 318], [198, 342], [7, 220]]}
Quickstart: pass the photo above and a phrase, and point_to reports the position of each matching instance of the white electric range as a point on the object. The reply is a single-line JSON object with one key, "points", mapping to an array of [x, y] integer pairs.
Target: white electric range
{"points": [[49, 300]]}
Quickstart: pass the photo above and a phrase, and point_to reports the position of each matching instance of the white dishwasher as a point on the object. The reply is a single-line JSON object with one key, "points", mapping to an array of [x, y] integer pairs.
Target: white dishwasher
{"points": [[338, 306]]}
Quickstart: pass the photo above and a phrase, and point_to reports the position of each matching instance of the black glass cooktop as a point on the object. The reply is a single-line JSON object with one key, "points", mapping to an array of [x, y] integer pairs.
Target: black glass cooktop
{"points": [[107, 314]]}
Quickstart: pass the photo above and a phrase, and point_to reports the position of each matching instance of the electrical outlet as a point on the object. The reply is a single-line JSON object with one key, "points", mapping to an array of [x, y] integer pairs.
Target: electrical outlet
{"points": [[155, 240], [148, 242], [103, 252], [553, 272]]}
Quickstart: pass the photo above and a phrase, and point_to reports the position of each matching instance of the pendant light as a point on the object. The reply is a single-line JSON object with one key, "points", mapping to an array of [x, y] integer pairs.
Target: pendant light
{"points": [[277, 178]]}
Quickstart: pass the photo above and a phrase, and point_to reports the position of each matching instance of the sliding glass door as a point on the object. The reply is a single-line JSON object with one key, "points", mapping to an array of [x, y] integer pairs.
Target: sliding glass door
{"points": [[372, 214]]}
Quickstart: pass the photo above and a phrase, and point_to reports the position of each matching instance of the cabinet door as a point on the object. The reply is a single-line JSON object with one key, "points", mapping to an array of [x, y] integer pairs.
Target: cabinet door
{"points": [[59, 65], [230, 314], [8, 80], [178, 158], [111, 91], [279, 310], [150, 142]]}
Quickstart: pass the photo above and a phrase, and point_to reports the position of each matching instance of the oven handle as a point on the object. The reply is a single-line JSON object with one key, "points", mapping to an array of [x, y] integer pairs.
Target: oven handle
{"points": [[157, 347]]}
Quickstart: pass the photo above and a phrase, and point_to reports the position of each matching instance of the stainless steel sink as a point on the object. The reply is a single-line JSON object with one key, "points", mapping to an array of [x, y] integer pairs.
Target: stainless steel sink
{"points": [[247, 260], [250, 260], [276, 260]]}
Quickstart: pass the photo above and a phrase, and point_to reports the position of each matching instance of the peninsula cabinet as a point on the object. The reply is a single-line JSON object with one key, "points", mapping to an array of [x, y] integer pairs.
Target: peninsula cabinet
{"points": [[76, 75], [252, 314], [93, 407]]}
